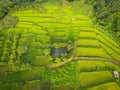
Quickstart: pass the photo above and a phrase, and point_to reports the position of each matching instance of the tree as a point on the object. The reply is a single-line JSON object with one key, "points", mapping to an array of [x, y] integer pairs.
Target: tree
{"points": [[116, 22]]}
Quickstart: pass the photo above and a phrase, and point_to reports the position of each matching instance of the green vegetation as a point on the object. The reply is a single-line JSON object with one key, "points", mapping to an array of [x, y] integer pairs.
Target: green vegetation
{"points": [[112, 86], [30, 28], [107, 14], [87, 79]]}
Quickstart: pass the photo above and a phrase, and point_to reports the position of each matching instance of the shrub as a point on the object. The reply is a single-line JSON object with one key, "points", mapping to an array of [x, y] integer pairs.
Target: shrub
{"points": [[8, 22]]}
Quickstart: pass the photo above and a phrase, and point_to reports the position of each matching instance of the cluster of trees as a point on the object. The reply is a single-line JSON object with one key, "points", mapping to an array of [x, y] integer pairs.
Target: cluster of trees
{"points": [[7, 5], [107, 13], [8, 22]]}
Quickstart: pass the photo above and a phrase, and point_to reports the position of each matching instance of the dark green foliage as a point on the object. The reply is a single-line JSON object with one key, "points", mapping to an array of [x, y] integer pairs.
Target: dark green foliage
{"points": [[116, 22], [7, 5], [22, 76], [64, 87], [64, 76], [46, 85], [8, 22], [92, 2], [4, 68], [2, 14], [107, 14], [70, 0]]}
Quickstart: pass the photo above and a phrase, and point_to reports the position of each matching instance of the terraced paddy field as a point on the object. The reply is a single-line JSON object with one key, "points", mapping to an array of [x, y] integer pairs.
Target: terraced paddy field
{"points": [[26, 62]]}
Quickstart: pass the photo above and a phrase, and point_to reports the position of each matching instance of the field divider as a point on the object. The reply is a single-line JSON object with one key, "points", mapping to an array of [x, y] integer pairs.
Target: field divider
{"points": [[88, 46], [51, 67]]}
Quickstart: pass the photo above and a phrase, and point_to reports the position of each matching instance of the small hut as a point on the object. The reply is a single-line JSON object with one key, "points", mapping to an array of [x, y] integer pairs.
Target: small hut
{"points": [[116, 74]]}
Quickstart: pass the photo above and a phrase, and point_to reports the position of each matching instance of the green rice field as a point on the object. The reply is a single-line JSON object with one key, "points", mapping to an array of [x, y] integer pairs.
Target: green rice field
{"points": [[25, 52]]}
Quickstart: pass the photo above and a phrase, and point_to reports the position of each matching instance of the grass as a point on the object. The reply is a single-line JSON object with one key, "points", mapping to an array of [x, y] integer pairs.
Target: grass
{"points": [[108, 39], [4, 68], [81, 22], [57, 34], [87, 42], [37, 31], [90, 65], [109, 44], [53, 25], [26, 23], [40, 60], [107, 86], [35, 52], [87, 66], [92, 52], [89, 29], [87, 34], [87, 79], [102, 39], [24, 26], [81, 17], [108, 49], [111, 51], [36, 84], [51, 10], [59, 39], [35, 19], [40, 45], [34, 14], [116, 56], [43, 39]]}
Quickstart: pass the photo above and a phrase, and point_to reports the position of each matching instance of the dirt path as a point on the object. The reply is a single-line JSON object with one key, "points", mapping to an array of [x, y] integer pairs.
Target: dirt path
{"points": [[82, 58]]}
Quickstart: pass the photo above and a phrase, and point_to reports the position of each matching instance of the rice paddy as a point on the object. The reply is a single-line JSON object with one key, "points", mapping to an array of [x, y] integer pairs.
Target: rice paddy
{"points": [[27, 47]]}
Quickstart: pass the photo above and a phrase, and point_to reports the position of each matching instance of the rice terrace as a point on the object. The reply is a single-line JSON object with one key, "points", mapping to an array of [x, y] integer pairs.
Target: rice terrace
{"points": [[59, 44]]}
